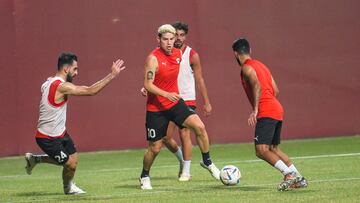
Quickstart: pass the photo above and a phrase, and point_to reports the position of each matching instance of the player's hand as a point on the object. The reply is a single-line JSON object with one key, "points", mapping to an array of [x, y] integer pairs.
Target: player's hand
{"points": [[143, 91], [252, 118], [207, 109], [173, 96], [117, 67]]}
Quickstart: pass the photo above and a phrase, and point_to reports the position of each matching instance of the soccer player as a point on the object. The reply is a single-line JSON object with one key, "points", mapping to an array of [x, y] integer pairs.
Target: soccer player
{"points": [[52, 136], [267, 114], [189, 73], [164, 104]]}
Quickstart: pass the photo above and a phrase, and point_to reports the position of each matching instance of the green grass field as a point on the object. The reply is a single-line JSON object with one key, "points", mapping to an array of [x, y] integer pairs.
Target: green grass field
{"points": [[332, 166]]}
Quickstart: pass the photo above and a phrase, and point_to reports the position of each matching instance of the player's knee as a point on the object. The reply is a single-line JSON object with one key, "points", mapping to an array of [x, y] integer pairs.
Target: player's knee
{"points": [[273, 148], [261, 150], [155, 149], [71, 163], [259, 154], [166, 140], [200, 129]]}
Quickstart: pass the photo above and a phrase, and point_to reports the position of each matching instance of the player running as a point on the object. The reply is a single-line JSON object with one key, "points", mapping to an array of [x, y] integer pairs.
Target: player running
{"points": [[190, 73], [164, 104], [52, 136], [267, 115]]}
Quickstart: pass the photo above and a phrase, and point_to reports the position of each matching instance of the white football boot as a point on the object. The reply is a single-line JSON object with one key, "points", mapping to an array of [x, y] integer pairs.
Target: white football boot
{"points": [[72, 189], [214, 171], [184, 177], [30, 162], [145, 183]]}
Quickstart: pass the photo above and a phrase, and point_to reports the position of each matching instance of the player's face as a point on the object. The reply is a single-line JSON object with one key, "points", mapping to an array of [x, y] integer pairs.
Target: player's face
{"points": [[180, 38], [72, 71], [166, 42]]}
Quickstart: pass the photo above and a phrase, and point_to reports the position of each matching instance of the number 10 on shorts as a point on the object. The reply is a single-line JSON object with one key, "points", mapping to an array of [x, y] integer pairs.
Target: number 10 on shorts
{"points": [[151, 133]]}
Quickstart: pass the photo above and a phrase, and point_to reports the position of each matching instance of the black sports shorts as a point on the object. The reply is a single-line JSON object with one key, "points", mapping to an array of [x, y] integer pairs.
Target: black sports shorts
{"points": [[58, 149], [267, 131], [157, 122]]}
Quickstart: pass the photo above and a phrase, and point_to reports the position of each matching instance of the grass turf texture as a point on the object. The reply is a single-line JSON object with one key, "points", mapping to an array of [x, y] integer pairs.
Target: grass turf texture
{"points": [[113, 176]]}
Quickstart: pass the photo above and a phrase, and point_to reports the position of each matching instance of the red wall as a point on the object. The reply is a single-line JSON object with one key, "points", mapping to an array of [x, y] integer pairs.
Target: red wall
{"points": [[311, 47]]}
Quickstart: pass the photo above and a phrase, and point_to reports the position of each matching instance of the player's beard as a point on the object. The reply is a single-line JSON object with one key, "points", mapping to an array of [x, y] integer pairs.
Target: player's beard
{"points": [[178, 44], [238, 61], [69, 78]]}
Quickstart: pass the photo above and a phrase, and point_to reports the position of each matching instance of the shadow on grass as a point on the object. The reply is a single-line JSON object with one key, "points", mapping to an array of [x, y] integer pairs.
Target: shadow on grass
{"points": [[239, 188], [128, 186], [34, 194]]}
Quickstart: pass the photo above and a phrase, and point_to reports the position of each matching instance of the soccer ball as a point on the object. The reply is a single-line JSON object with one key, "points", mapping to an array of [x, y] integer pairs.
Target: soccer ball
{"points": [[230, 175]]}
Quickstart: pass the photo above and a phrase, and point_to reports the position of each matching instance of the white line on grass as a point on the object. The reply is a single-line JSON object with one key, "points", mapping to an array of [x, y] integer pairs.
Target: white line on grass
{"points": [[241, 161], [169, 189]]}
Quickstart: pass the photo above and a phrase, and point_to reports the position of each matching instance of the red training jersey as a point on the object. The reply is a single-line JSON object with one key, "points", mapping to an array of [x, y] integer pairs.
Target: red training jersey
{"points": [[166, 78], [269, 106]]}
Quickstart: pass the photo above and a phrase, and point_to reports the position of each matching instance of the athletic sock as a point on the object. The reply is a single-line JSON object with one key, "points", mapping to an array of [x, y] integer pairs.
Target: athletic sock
{"points": [[206, 158], [282, 167], [293, 168], [179, 155], [144, 173], [186, 167], [39, 158]]}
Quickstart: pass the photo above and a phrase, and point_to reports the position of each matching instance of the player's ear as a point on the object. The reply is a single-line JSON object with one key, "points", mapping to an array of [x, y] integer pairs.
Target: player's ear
{"points": [[66, 68]]}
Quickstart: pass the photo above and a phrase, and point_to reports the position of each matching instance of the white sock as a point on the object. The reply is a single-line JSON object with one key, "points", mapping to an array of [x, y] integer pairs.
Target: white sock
{"points": [[179, 155], [282, 167], [186, 167], [293, 168]]}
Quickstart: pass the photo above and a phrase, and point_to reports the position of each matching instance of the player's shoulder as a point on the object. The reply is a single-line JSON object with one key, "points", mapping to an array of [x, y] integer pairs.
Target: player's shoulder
{"points": [[151, 58], [247, 69], [155, 51]]}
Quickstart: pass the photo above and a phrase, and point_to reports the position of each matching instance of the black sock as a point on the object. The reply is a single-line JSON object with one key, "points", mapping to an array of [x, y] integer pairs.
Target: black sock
{"points": [[144, 173], [206, 158]]}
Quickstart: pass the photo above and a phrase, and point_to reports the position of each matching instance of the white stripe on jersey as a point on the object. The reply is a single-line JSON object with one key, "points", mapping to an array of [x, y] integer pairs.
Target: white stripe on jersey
{"points": [[186, 80], [51, 119]]}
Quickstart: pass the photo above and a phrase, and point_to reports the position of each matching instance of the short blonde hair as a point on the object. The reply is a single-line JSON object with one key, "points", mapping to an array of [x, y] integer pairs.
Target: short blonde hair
{"points": [[166, 28]]}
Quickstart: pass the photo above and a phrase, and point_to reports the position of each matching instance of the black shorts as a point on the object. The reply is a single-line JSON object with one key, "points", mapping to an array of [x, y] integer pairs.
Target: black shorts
{"points": [[157, 122], [192, 107], [267, 131], [57, 148]]}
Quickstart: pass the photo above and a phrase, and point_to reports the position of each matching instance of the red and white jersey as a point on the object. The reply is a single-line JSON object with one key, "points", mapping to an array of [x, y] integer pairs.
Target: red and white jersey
{"points": [[52, 116], [186, 80]]}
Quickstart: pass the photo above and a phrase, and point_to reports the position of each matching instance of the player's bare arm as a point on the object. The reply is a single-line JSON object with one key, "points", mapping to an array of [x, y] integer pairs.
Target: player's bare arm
{"points": [[68, 88], [276, 89], [151, 66], [200, 83], [251, 77]]}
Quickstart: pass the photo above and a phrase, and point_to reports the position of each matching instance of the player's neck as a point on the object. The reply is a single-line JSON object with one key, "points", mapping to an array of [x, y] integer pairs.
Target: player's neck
{"points": [[61, 75], [243, 59], [165, 52], [183, 47]]}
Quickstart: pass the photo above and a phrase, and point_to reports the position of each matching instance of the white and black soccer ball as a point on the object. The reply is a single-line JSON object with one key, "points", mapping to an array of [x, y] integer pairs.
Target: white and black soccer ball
{"points": [[230, 175]]}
